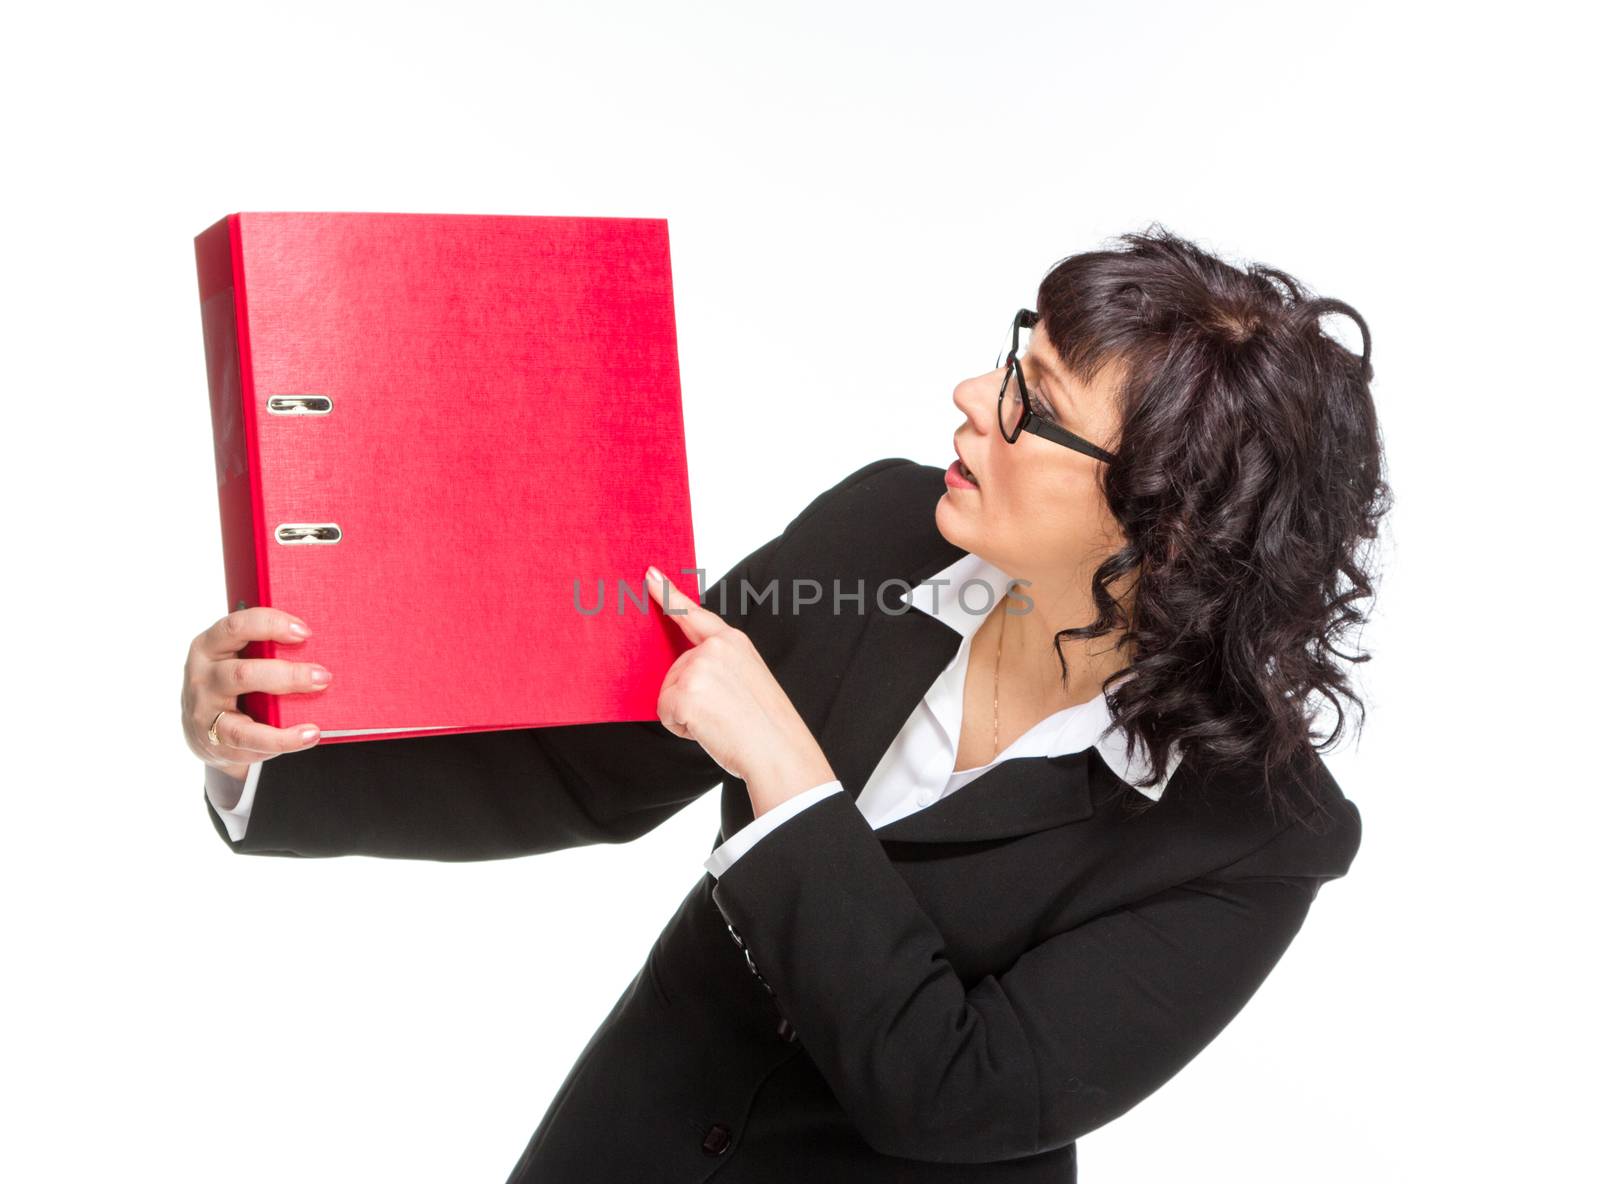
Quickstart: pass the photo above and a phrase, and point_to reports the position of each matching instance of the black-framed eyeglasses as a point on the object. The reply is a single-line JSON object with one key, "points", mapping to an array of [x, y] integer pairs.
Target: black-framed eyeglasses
{"points": [[1019, 415]]}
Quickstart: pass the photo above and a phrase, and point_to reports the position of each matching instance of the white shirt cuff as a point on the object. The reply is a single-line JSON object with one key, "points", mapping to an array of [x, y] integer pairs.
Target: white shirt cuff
{"points": [[238, 818], [740, 841]]}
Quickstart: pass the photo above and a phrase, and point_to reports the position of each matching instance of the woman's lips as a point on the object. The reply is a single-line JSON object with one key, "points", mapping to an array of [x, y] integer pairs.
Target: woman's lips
{"points": [[953, 478]]}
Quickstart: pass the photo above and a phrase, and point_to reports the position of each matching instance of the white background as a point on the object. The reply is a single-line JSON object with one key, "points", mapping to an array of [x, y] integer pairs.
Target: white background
{"points": [[859, 197]]}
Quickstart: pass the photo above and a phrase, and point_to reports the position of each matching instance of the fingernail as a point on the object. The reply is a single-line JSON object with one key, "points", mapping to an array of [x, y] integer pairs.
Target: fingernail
{"points": [[320, 677], [652, 574], [298, 629], [307, 735]]}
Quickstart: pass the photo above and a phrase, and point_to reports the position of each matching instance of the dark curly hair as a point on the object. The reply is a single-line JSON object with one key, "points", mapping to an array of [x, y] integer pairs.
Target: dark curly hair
{"points": [[1249, 478]]}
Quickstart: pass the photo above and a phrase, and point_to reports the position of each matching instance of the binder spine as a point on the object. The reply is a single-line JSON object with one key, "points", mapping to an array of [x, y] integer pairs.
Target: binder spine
{"points": [[225, 329]]}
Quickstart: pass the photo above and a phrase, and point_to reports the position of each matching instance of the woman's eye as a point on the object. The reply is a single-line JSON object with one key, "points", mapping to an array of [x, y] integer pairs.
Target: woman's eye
{"points": [[1040, 406]]}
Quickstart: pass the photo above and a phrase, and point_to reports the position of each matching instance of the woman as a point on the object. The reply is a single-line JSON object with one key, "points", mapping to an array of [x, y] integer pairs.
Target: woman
{"points": [[991, 868]]}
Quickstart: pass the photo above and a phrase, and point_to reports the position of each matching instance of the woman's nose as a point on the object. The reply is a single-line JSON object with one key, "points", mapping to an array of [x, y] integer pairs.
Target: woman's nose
{"points": [[976, 398]]}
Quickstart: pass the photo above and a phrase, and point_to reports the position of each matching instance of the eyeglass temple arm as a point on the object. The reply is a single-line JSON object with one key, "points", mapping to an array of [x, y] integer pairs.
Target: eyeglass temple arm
{"points": [[1060, 435]]}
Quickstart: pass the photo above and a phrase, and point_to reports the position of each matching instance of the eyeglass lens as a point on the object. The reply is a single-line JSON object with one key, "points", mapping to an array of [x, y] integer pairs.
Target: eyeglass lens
{"points": [[1011, 395]]}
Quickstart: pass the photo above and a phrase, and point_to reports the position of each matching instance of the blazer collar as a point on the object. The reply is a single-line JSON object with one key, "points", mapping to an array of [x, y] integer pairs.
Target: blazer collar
{"points": [[897, 657]]}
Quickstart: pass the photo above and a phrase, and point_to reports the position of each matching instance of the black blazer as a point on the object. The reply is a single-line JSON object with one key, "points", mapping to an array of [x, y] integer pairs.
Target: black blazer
{"points": [[957, 996]]}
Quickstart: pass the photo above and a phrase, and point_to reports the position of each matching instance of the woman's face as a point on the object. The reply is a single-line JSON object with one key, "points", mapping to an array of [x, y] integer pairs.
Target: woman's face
{"points": [[1037, 512]]}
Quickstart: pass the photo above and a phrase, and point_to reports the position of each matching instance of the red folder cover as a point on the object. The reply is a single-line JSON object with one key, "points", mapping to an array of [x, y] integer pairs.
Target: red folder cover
{"points": [[451, 443]]}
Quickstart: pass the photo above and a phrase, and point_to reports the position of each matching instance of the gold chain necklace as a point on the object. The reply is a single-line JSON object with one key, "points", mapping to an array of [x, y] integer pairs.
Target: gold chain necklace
{"points": [[997, 647]]}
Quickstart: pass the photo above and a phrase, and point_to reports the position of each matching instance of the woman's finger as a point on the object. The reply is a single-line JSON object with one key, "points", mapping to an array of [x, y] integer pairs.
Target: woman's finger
{"points": [[232, 633], [231, 677], [241, 740], [697, 623]]}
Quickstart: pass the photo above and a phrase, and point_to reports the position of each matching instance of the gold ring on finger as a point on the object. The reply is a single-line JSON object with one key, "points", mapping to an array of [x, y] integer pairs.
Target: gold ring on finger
{"points": [[212, 730]]}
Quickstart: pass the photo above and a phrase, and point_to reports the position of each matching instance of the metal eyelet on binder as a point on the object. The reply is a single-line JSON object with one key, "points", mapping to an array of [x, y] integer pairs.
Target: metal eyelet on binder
{"points": [[298, 534], [299, 405]]}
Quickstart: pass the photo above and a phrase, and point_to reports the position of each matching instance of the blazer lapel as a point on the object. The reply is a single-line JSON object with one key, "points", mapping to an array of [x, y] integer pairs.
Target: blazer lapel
{"points": [[1016, 797], [896, 659]]}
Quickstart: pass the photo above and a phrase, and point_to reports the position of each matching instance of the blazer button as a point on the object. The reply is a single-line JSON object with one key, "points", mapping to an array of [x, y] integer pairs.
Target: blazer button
{"points": [[716, 1140], [786, 1032]]}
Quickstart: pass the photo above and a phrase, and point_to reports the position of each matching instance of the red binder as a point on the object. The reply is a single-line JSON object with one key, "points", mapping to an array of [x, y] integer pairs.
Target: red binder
{"points": [[451, 444]]}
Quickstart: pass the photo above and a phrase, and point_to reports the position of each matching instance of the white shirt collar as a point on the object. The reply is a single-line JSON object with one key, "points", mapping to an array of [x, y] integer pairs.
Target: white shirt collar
{"points": [[957, 596]]}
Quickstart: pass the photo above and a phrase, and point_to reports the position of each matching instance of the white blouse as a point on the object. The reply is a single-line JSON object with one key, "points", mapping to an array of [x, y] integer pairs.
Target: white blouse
{"points": [[919, 766]]}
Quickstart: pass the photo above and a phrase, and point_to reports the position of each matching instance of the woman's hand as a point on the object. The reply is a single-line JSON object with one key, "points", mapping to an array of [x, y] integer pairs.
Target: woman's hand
{"points": [[214, 676], [721, 695]]}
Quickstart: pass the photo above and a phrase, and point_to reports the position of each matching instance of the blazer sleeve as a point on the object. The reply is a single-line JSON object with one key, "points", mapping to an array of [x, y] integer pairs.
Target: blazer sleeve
{"points": [[505, 793], [723, 855], [1079, 1029]]}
